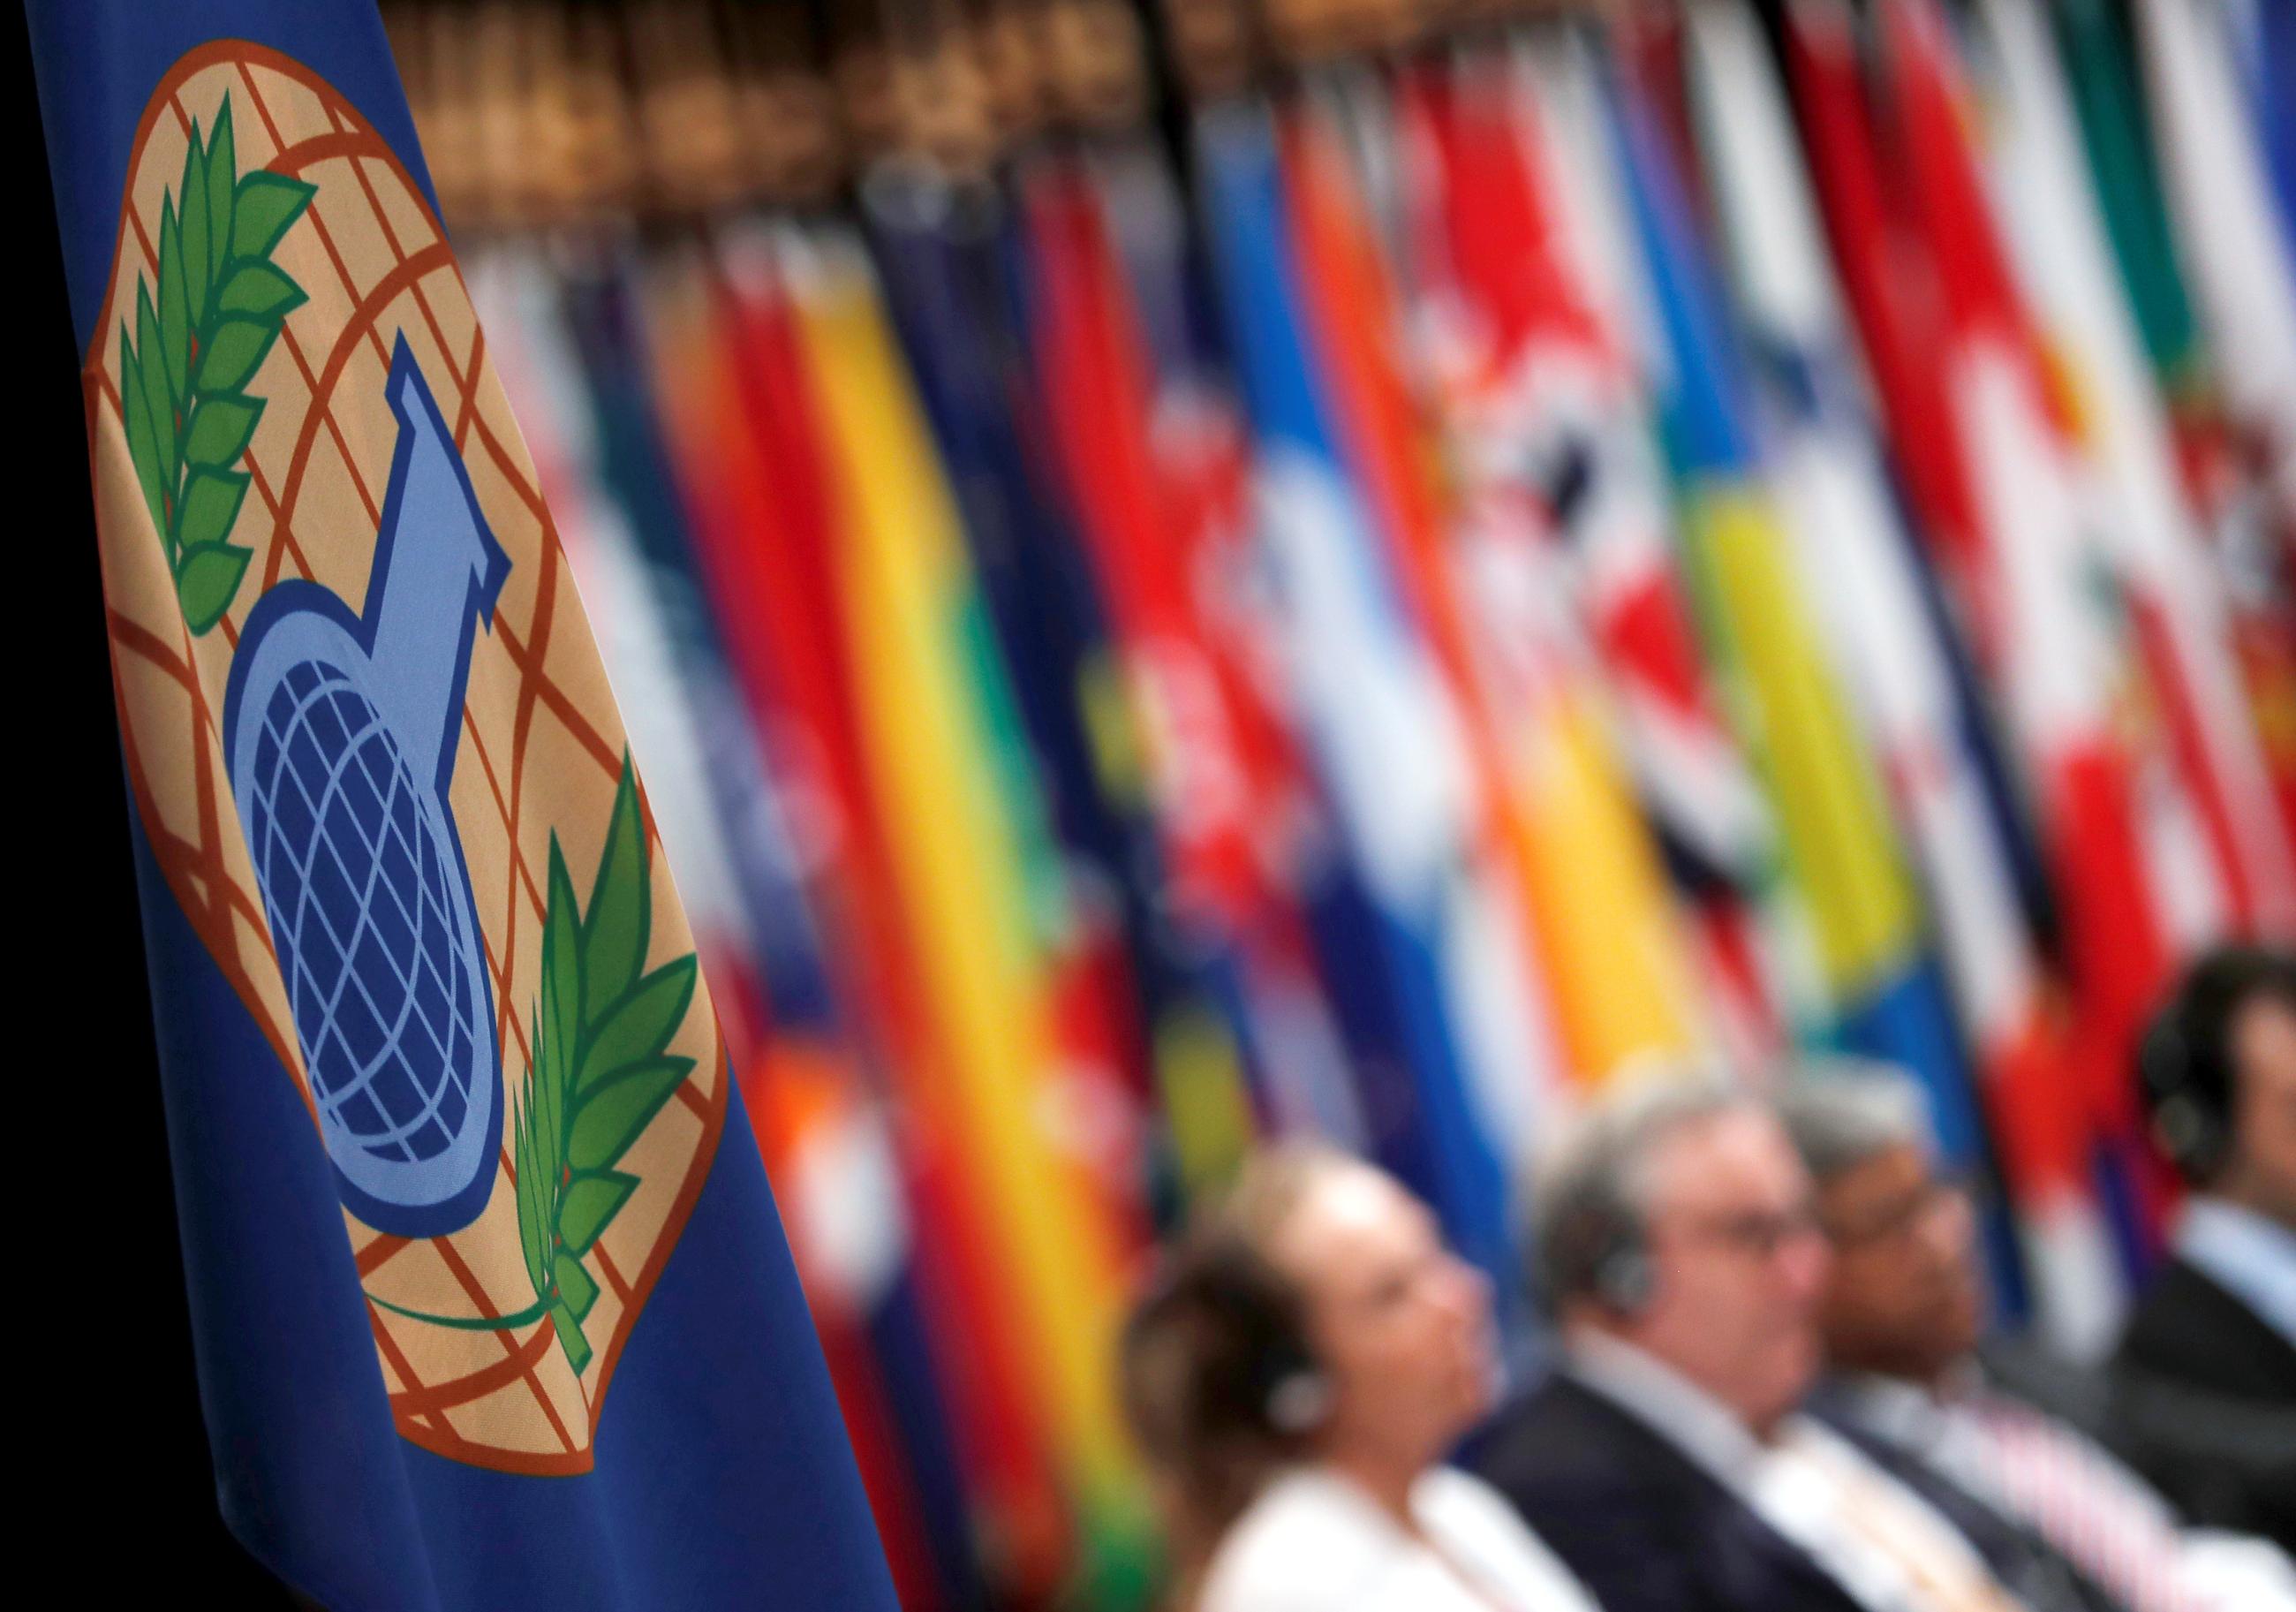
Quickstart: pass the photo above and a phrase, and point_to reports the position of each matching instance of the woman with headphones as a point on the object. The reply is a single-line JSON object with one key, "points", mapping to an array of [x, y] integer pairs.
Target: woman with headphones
{"points": [[1296, 1377]]}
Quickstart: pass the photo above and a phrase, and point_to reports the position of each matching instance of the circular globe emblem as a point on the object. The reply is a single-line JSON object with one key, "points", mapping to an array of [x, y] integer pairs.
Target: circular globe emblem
{"points": [[354, 865], [339, 731]]}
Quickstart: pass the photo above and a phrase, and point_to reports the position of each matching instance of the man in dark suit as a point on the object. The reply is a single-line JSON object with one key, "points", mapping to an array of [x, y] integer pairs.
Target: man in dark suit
{"points": [[2206, 1370], [2059, 1517], [1665, 1460]]}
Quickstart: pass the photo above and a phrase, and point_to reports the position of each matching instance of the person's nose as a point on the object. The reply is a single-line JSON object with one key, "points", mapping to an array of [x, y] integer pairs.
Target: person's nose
{"points": [[1804, 1260], [1948, 1224], [1464, 1290]]}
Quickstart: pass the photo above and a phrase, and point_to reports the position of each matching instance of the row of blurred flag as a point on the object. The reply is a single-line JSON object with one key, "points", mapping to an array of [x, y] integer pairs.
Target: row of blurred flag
{"points": [[1765, 530]]}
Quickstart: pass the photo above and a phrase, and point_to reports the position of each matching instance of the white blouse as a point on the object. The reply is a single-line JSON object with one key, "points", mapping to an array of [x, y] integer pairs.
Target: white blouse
{"points": [[1314, 1542]]}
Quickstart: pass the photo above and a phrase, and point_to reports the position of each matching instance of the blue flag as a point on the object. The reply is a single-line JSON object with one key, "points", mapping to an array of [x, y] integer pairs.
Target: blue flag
{"points": [[2274, 104], [491, 1304], [1390, 929]]}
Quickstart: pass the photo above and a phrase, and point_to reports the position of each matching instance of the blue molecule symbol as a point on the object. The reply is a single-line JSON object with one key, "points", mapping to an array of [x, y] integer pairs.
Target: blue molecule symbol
{"points": [[341, 731]]}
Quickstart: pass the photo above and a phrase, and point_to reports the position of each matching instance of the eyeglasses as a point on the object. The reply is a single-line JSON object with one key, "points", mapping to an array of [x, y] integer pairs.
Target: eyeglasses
{"points": [[1758, 1233], [1905, 1213]]}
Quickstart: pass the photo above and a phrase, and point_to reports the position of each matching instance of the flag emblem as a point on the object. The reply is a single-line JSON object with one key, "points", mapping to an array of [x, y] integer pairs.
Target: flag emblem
{"points": [[396, 805], [364, 881]]}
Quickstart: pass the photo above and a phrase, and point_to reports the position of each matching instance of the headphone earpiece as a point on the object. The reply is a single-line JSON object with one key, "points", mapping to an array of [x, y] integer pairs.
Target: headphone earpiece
{"points": [[2187, 1101], [1623, 1276], [2186, 1134], [1300, 1402]]}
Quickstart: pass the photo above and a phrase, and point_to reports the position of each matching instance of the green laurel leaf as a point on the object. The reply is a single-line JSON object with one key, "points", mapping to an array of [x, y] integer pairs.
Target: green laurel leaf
{"points": [[608, 1120], [154, 373], [143, 444], [560, 1012], [257, 290], [591, 1201], [549, 1145], [205, 322], [174, 317], [614, 934], [533, 1238], [570, 1337], [639, 1026], [266, 206], [234, 352], [537, 1178], [576, 1289], [206, 578], [211, 499], [223, 186], [562, 954], [219, 429], [192, 205], [597, 1075]]}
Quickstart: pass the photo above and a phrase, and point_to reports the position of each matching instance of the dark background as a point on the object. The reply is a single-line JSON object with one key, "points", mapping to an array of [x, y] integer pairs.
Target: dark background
{"points": [[112, 1448]]}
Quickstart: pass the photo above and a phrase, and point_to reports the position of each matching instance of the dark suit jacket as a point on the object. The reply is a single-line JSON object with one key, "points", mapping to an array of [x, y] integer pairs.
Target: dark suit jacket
{"points": [[2188, 1329], [2024, 1369], [1644, 1528], [2205, 1406]]}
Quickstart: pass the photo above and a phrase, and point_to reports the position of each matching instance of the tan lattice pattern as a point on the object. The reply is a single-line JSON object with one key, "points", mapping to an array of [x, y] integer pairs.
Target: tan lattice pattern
{"points": [[541, 744]]}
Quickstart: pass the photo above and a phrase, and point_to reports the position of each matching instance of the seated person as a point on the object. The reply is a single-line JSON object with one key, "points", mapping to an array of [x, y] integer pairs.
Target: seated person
{"points": [[1900, 1317], [2206, 1370], [1664, 1462], [1295, 1379]]}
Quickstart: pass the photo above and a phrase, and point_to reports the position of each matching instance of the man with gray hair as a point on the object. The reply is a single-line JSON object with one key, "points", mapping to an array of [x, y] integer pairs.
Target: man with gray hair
{"points": [[1901, 1314], [1666, 1460]]}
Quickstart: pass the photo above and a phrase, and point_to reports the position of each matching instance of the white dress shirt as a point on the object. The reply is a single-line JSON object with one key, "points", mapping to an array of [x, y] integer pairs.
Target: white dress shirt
{"points": [[1314, 1542], [1814, 1488], [2249, 1254]]}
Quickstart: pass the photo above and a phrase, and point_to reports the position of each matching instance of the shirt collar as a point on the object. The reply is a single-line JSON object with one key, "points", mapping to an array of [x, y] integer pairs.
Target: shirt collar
{"points": [[1902, 1412], [1677, 1409], [2248, 1254]]}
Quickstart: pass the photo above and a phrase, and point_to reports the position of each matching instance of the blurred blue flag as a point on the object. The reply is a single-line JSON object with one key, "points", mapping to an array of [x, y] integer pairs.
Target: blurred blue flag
{"points": [[1378, 720]]}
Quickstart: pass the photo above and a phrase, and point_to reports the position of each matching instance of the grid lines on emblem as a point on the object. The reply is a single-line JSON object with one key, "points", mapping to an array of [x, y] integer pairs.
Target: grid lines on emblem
{"points": [[359, 898]]}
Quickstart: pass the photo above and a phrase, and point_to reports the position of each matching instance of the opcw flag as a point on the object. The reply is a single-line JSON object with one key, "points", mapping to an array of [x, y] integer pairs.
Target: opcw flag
{"points": [[491, 1304]]}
